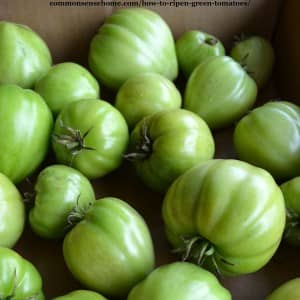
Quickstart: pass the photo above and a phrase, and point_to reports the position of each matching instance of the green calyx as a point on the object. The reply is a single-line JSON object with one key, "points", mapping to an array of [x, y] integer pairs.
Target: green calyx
{"points": [[198, 250], [72, 139], [143, 148], [211, 41]]}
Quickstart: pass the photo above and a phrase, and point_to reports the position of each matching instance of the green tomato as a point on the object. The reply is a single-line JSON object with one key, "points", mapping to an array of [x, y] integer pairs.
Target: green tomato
{"points": [[25, 128], [179, 281], [111, 249], [288, 291], [220, 91], [12, 213], [257, 56], [291, 194], [19, 279], [269, 137], [194, 47], [65, 83], [90, 135], [132, 41], [61, 193], [24, 55], [80, 295], [225, 214], [146, 94], [166, 144]]}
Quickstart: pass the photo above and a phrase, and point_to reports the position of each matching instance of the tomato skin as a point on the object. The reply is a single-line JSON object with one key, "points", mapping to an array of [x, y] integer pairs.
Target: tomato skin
{"points": [[12, 213], [219, 91], [59, 190], [132, 41], [269, 137], [64, 83], [257, 56], [235, 207], [25, 125], [193, 47], [179, 139], [144, 95], [291, 194], [188, 282], [111, 249], [288, 291], [24, 55], [19, 279], [80, 295], [107, 137]]}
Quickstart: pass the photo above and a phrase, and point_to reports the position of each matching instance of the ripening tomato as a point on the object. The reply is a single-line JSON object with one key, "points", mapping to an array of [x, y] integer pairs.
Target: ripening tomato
{"points": [[19, 279], [132, 41], [194, 47], [24, 56], [60, 193], [25, 129], [220, 91], [110, 250], [179, 281], [227, 215]]}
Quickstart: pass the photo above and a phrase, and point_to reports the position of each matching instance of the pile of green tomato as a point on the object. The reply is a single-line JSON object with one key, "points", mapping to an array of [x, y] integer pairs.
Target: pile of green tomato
{"points": [[222, 216]]}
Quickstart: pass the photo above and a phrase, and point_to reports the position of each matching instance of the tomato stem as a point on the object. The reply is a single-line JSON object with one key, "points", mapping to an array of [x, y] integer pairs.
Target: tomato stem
{"points": [[72, 139], [211, 41], [143, 148]]}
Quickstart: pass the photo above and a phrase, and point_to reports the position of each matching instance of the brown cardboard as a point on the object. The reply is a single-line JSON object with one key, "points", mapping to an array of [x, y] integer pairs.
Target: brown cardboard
{"points": [[68, 32], [288, 50]]}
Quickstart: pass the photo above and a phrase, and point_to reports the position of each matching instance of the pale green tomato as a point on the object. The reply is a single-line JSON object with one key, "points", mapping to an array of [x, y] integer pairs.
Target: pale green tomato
{"points": [[166, 144], [291, 194], [194, 47], [287, 291], [24, 56], [179, 281], [111, 249], [132, 41], [81, 295], [146, 94], [65, 83], [25, 129], [257, 56], [220, 91], [19, 279], [12, 213], [227, 215], [269, 137], [61, 193], [91, 136]]}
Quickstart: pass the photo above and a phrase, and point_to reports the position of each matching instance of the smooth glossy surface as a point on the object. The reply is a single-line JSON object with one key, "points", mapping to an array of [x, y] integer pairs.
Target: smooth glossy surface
{"points": [[81, 295], [194, 47], [132, 41], [111, 249], [12, 213], [219, 91], [176, 140], [288, 291], [65, 83], [236, 207], [19, 279], [24, 55], [179, 281], [269, 137], [146, 94], [257, 56], [291, 194], [60, 192], [104, 132], [25, 128]]}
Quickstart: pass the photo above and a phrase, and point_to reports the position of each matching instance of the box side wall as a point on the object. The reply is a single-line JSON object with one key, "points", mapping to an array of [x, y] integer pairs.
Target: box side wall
{"points": [[68, 30]]}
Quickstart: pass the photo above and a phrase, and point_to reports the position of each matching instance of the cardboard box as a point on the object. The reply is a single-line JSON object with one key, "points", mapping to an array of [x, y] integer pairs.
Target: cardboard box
{"points": [[68, 31]]}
